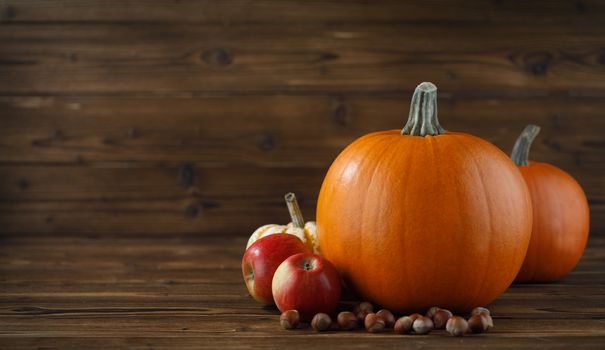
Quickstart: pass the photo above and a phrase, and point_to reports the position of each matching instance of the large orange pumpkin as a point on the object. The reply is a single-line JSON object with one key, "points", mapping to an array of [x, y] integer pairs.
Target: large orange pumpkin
{"points": [[560, 216], [420, 217]]}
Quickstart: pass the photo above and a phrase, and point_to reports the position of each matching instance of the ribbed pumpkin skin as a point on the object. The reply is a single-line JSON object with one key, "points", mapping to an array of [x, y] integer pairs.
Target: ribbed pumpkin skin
{"points": [[560, 223], [412, 222]]}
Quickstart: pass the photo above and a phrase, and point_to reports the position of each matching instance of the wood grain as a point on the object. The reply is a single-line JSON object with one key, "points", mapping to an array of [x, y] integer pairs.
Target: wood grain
{"points": [[187, 292], [288, 11], [145, 165], [279, 130], [141, 141], [135, 58]]}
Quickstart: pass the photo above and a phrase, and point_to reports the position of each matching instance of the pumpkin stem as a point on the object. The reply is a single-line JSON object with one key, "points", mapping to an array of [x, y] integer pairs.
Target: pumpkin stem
{"points": [[520, 153], [294, 209], [423, 120]]}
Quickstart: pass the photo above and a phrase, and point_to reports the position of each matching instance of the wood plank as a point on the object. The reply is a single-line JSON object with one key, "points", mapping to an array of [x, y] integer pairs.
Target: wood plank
{"points": [[288, 11], [180, 58], [55, 292], [292, 341], [107, 200], [153, 200], [277, 131], [179, 164]]}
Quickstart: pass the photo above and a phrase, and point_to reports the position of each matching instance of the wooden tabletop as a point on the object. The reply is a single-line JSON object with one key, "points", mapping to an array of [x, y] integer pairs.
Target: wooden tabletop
{"points": [[187, 292]]}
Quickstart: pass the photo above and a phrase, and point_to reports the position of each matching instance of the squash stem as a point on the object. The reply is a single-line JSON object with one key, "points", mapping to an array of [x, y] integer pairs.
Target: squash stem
{"points": [[294, 209], [520, 153], [422, 119]]}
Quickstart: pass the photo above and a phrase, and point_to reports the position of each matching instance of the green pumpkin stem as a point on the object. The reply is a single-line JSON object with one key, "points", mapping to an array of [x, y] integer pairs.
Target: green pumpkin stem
{"points": [[520, 153], [294, 209], [423, 120]]}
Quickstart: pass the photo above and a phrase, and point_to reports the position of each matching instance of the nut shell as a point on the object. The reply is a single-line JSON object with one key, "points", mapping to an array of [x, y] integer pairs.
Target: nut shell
{"points": [[289, 319], [480, 310], [456, 326], [387, 316], [414, 316], [321, 322], [422, 325], [347, 321], [432, 311], [441, 317], [374, 323], [362, 309], [403, 325], [478, 324], [490, 321]]}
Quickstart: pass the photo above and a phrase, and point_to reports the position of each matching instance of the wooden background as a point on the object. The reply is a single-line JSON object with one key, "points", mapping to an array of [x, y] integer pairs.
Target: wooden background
{"points": [[148, 117], [141, 142]]}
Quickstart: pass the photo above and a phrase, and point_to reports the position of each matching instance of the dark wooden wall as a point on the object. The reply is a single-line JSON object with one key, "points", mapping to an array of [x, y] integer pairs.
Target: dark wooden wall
{"points": [[145, 117]]}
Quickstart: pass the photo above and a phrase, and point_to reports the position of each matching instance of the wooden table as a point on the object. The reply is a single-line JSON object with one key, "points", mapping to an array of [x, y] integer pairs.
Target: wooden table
{"points": [[187, 292]]}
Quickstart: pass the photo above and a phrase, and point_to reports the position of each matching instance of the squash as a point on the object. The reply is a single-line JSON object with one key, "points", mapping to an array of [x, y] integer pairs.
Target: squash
{"points": [[306, 232], [423, 216], [561, 216]]}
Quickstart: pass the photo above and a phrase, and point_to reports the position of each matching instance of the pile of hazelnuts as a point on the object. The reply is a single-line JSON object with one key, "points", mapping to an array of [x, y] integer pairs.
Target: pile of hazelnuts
{"points": [[480, 321]]}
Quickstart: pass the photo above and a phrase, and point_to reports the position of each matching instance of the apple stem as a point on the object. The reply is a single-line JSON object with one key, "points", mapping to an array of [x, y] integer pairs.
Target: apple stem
{"points": [[294, 209]]}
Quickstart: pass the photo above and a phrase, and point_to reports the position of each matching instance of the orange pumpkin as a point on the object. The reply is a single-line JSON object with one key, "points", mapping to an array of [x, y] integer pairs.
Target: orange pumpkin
{"points": [[560, 216], [420, 217]]}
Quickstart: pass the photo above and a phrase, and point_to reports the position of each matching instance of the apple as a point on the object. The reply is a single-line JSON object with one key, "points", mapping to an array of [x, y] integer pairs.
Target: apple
{"points": [[261, 260], [308, 283]]}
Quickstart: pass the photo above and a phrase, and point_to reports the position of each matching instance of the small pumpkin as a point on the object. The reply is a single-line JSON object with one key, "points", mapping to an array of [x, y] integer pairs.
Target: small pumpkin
{"points": [[420, 217], [560, 216], [306, 232]]}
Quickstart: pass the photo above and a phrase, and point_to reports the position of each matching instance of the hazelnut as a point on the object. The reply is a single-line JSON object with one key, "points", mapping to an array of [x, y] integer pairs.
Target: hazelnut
{"points": [[489, 320], [478, 324], [347, 321], [485, 313], [414, 316], [362, 309], [321, 322], [456, 326], [374, 323], [289, 319], [422, 325], [404, 325], [432, 311], [387, 316], [480, 310], [440, 318]]}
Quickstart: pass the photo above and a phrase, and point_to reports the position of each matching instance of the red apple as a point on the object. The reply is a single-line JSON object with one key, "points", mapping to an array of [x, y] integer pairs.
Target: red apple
{"points": [[261, 260], [308, 283]]}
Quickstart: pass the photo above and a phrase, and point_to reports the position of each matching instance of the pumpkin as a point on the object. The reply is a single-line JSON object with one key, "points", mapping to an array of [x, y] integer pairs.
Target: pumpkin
{"points": [[420, 217], [306, 232], [560, 216]]}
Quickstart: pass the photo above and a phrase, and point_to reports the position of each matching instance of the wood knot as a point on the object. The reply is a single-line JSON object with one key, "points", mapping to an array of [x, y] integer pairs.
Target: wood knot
{"points": [[217, 57], [72, 57], [187, 175], [192, 210], [552, 144], [328, 56], [340, 113], [10, 12], [266, 142], [57, 135], [206, 204], [537, 63], [23, 184], [601, 57], [580, 7], [133, 133]]}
